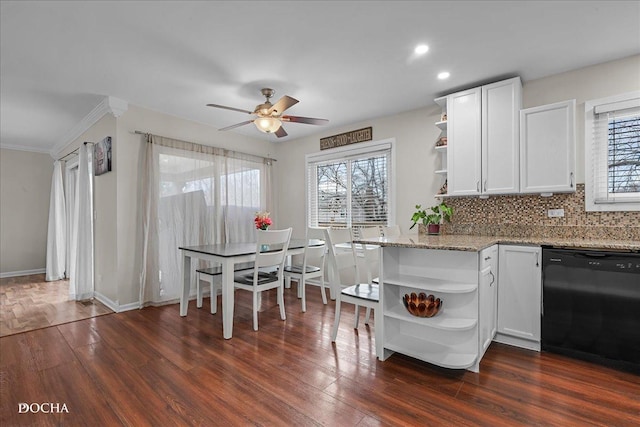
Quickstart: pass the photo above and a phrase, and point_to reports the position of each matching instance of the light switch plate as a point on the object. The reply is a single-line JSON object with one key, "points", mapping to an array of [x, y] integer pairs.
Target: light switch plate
{"points": [[555, 213]]}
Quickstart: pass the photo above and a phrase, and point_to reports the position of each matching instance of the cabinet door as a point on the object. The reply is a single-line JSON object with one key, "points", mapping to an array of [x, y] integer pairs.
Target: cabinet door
{"points": [[547, 148], [501, 104], [519, 291], [463, 130], [488, 295]]}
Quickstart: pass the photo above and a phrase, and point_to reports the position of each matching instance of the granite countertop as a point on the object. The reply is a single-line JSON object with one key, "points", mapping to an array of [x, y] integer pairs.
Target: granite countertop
{"points": [[462, 242]]}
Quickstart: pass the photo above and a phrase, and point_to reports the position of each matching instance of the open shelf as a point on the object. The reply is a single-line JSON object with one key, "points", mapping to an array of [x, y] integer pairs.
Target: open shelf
{"points": [[442, 320], [441, 172], [441, 148], [442, 125], [431, 352], [430, 284]]}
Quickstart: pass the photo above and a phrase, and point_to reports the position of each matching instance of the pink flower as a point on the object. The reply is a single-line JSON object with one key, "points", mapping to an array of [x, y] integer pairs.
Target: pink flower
{"points": [[262, 220]]}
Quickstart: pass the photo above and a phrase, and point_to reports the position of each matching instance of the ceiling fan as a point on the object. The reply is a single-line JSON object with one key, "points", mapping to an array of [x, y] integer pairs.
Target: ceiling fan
{"points": [[269, 116]]}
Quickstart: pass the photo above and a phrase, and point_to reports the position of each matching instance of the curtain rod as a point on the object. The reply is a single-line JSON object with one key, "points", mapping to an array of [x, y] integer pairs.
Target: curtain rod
{"points": [[139, 132], [75, 151]]}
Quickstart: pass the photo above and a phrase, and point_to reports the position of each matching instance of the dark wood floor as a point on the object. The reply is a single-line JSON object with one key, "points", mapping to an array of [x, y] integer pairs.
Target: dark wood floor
{"points": [[151, 367]]}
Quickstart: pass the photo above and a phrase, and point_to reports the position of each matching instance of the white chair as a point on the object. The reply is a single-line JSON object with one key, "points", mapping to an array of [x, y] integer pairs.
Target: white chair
{"points": [[271, 251], [212, 276], [312, 266], [359, 294], [370, 232], [391, 231]]}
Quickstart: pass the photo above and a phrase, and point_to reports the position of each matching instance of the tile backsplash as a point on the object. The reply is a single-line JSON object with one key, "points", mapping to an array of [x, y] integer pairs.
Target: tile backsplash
{"points": [[526, 216]]}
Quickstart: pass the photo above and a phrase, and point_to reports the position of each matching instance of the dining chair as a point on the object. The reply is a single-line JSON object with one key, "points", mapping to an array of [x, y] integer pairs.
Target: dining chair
{"points": [[369, 232], [268, 270], [213, 275], [391, 231], [344, 263], [312, 266], [369, 257]]}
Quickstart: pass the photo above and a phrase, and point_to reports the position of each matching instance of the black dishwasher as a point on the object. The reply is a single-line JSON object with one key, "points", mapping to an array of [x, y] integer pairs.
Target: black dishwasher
{"points": [[591, 305]]}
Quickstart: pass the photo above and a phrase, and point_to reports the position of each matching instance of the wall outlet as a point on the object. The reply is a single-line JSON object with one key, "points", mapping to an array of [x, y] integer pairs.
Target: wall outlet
{"points": [[555, 213]]}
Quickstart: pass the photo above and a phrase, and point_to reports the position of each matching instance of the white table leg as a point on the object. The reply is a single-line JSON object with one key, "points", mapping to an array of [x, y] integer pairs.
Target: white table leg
{"points": [[228, 297], [186, 284]]}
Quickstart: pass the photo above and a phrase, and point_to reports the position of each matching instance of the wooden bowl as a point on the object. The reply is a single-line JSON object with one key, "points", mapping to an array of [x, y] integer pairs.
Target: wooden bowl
{"points": [[422, 305]]}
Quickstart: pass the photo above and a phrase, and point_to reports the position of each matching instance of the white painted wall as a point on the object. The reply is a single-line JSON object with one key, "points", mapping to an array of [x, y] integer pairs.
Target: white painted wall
{"points": [[25, 185], [416, 135]]}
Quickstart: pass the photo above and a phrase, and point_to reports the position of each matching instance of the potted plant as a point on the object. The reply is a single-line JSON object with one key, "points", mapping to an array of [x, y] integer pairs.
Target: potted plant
{"points": [[433, 217]]}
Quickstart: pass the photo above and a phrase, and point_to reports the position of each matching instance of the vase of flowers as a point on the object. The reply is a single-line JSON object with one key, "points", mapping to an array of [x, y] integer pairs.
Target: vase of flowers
{"points": [[262, 220]]}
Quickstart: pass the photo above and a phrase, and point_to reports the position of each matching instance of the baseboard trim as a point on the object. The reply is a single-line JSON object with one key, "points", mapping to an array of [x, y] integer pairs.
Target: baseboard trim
{"points": [[114, 305], [517, 342], [23, 273]]}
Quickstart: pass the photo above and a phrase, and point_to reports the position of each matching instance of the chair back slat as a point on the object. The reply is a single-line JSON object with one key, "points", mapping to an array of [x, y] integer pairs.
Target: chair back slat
{"points": [[391, 231], [370, 232], [271, 248], [315, 255], [342, 260]]}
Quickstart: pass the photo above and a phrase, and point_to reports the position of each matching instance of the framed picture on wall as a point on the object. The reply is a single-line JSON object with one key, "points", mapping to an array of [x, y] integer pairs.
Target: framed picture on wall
{"points": [[102, 156]]}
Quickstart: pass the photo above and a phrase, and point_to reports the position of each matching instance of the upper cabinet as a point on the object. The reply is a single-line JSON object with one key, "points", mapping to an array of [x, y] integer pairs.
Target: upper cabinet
{"points": [[501, 104], [483, 130], [547, 148], [464, 137]]}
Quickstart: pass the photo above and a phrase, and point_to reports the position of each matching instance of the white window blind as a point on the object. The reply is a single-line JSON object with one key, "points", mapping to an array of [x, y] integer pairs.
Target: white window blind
{"points": [[615, 152], [349, 190]]}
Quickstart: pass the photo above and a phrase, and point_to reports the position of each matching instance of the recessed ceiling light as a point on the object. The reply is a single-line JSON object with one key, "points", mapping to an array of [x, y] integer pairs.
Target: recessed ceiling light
{"points": [[421, 49], [444, 75]]}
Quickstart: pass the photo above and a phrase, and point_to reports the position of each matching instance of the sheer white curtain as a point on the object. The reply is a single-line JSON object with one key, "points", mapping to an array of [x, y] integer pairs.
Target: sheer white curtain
{"points": [[57, 231], [71, 180], [194, 195], [81, 265]]}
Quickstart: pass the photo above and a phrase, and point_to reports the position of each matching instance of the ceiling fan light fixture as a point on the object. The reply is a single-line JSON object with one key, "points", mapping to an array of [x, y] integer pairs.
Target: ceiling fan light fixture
{"points": [[267, 124]]}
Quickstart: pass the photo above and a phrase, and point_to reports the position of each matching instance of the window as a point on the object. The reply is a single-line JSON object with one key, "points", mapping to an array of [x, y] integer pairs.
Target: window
{"points": [[350, 187], [612, 146]]}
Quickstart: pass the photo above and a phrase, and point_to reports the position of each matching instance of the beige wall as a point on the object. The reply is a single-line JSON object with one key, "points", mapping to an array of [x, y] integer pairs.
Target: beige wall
{"points": [[25, 186], [416, 134]]}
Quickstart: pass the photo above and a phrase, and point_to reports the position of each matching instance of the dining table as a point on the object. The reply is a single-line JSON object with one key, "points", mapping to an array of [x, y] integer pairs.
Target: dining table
{"points": [[227, 255]]}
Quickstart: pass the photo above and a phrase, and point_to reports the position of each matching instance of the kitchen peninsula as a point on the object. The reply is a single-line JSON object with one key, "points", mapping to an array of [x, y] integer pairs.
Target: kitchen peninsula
{"points": [[463, 271]]}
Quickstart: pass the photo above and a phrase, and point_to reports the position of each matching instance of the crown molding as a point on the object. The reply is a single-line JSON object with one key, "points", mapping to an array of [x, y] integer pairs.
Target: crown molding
{"points": [[24, 148], [109, 105]]}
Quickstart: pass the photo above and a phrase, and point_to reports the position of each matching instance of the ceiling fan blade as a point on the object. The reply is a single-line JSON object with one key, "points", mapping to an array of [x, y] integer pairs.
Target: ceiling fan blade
{"points": [[230, 108], [307, 120], [281, 132], [237, 125], [282, 104]]}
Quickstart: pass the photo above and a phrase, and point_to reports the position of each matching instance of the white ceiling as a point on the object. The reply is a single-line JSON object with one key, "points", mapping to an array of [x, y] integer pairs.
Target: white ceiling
{"points": [[344, 61]]}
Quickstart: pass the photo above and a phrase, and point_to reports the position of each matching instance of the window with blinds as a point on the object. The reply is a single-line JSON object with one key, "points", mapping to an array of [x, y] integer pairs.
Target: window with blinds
{"points": [[613, 160], [349, 189]]}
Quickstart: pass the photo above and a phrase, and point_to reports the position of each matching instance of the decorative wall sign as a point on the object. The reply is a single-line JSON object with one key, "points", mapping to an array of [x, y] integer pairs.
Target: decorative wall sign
{"points": [[102, 156], [355, 136]]}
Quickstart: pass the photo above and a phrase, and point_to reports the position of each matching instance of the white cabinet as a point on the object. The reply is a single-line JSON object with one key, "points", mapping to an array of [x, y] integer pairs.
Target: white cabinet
{"points": [[483, 134], [547, 148], [464, 142], [501, 103], [450, 339], [488, 282], [519, 296]]}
